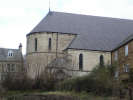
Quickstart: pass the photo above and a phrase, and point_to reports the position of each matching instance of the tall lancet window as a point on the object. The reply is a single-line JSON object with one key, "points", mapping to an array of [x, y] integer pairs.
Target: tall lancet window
{"points": [[35, 44], [101, 60], [49, 43], [81, 62]]}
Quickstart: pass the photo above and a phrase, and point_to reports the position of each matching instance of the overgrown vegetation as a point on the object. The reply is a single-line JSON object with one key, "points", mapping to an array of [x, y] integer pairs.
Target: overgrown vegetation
{"points": [[99, 81], [45, 82], [20, 82], [24, 83], [57, 95]]}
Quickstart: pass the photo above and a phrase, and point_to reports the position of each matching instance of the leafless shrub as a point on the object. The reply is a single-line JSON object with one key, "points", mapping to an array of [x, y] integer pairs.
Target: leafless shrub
{"points": [[52, 74]]}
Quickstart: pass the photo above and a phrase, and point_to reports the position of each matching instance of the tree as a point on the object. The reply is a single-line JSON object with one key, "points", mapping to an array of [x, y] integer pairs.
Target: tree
{"points": [[103, 76]]}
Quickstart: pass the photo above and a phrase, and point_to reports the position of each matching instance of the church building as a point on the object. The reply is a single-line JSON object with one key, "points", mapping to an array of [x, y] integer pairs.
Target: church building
{"points": [[84, 39]]}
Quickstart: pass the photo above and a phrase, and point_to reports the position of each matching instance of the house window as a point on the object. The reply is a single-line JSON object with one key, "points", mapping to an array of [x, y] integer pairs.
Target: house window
{"points": [[116, 74], [35, 44], [126, 50], [49, 43], [3, 70], [126, 68], [12, 67], [10, 53], [81, 62], [101, 60], [8, 67], [116, 55]]}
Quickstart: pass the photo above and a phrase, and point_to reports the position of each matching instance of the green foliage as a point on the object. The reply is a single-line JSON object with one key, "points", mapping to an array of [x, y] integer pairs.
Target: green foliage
{"points": [[99, 81]]}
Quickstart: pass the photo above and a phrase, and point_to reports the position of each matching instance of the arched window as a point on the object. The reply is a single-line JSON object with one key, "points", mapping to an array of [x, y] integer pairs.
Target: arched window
{"points": [[49, 43], [101, 60], [35, 44], [81, 62]]}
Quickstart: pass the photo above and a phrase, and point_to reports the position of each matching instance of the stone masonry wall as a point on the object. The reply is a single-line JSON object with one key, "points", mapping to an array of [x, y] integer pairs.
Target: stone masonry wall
{"points": [[90, 59], [122, 59], [38, 60]]}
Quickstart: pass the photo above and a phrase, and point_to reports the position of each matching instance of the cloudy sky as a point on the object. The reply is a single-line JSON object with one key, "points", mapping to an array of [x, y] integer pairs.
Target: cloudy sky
{"points": [[19, 17]]}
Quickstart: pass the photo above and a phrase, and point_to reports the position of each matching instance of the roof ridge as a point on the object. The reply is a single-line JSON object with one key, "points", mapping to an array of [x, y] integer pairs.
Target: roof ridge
{"points": [[91, 15], [9, 49]]}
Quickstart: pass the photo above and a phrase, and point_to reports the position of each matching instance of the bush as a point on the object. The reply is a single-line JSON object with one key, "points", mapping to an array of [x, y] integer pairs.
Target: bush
{"points": [[99, 81], [22, 82], [13, 83], [46, 84], [45, 81], [79, 84]]}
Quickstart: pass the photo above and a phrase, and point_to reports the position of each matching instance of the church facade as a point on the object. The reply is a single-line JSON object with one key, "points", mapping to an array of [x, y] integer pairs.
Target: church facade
{"points": [[82, 39]]}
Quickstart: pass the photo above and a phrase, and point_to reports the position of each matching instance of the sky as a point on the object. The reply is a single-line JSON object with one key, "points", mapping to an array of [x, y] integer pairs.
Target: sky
{"points": [[19, 17]]}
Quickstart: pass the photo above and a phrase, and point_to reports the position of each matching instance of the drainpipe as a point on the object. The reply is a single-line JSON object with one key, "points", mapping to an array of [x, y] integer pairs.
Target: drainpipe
{"points": [[57, 45]]}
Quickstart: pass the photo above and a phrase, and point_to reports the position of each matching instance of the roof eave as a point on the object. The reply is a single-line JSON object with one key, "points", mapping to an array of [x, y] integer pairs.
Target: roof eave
{"points": [[50, 32], [88, 49], [119, 46]]}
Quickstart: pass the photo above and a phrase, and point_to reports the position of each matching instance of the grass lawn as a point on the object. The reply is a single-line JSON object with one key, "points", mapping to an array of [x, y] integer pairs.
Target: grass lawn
{"points": [[82, 95]]}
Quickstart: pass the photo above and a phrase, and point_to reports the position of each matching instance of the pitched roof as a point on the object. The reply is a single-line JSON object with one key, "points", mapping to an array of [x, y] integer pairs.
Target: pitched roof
{"points": [[17, 55], [94, 32]]}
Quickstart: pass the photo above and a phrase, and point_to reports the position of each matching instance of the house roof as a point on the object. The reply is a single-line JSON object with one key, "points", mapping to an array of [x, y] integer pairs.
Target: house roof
{"points": [[17, 55], [94, 32], [125, 41]]}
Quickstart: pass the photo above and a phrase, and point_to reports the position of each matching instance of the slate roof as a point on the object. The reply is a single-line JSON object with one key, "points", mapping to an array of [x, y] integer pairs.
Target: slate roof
{"points": [[94, 32], [124, 42], [17, 55]]}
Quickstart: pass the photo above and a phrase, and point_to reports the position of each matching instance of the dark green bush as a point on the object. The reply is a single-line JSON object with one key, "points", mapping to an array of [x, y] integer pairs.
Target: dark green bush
{"points": [[99, 81]]}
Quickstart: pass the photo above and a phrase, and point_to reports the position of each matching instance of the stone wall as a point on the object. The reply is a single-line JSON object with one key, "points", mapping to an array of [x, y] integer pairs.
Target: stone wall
{"points": [[38, 60], [59, 41], [122, 59], [90, 58]]}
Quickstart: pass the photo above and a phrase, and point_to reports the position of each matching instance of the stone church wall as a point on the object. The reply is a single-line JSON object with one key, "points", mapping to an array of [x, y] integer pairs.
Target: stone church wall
{"points": [[38, 60], [90, 58]]}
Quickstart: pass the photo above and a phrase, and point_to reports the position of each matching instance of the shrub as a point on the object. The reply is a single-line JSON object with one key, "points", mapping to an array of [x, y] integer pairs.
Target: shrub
{"points": [[45, 81], [78, 84], [99, 81], [20, 83]]}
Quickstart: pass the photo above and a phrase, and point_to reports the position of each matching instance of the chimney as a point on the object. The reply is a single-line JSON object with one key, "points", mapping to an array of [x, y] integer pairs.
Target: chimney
{"points": [[20, 47]]}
